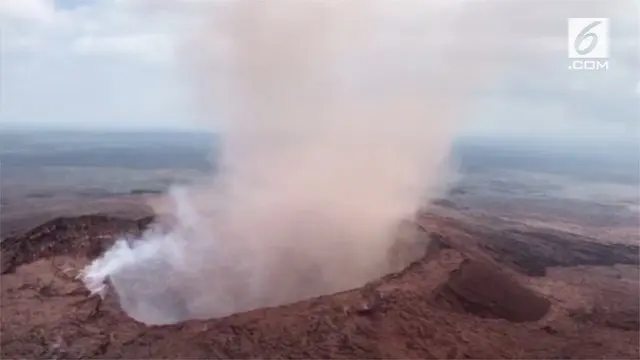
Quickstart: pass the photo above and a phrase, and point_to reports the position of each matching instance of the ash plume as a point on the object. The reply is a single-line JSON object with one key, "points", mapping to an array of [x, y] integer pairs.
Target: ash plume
{"points": [[336, 121]]}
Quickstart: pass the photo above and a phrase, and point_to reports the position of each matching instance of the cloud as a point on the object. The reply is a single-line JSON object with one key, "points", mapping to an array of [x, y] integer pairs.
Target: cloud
{"points": [[20, 44], [54, 52], [85, 64], [92, 28], [151, 47], [30, 10]]}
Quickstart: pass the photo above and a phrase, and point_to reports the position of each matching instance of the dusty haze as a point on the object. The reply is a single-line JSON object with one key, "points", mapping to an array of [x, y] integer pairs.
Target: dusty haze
{"points": [[336, 120]]}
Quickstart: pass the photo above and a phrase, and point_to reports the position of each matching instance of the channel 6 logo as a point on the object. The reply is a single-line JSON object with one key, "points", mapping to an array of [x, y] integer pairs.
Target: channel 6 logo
{"points": [[588, 38]]}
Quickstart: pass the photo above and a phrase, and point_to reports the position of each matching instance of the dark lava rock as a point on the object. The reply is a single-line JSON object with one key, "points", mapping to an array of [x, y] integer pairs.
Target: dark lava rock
{"points": [[531, 252], [89, 235]]}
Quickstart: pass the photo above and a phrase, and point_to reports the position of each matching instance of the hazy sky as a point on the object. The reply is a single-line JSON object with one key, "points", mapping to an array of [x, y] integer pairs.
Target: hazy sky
{"points": [[113, 64]]}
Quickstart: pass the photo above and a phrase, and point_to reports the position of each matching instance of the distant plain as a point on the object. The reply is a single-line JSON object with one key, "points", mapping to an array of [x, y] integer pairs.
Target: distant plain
{"points": [[586, 187]]}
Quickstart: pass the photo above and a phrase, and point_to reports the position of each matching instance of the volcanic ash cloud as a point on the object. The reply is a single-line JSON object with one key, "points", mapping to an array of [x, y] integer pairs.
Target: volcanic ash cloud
{"points": [[336, 120]]}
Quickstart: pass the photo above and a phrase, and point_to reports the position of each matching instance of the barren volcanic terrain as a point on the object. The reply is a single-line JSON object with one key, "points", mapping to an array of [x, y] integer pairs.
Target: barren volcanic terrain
{"points": [[529, 255], [473, 292]]}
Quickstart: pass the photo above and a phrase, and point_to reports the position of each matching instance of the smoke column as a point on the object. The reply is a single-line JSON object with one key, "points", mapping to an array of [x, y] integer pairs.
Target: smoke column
{"points": [[336, 121]]}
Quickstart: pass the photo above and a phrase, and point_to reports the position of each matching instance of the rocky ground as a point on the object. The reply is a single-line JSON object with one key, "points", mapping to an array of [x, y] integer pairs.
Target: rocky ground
{"points": [[475, 291]]}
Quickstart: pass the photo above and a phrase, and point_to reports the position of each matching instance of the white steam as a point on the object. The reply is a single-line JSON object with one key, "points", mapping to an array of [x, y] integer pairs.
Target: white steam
{"points": [[336, 120]]}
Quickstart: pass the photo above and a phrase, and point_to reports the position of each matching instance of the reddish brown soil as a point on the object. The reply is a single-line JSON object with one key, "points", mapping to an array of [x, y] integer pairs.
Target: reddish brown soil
{"points": [[465, 298]]}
